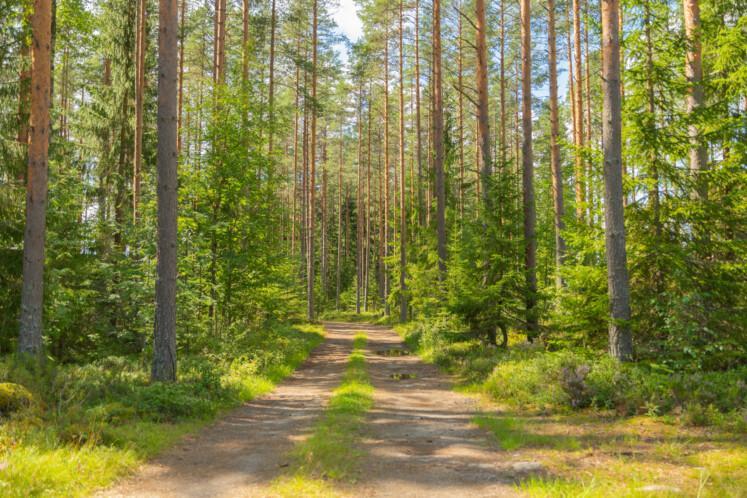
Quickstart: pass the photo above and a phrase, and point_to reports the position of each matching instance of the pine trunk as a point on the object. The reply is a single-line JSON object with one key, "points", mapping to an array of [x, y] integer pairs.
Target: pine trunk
{"points": [[530, 240], [483, 112], [438, 141], [555, 170], [139, 92], [578, 129], [402, 206], [312, 169], [620, 339], [695, 96], [32, 290], [164, 346]]}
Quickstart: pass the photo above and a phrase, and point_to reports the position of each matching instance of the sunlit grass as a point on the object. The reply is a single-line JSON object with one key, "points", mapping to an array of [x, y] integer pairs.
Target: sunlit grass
{"points": [[332, 451], [512, 433], [40, 459]]}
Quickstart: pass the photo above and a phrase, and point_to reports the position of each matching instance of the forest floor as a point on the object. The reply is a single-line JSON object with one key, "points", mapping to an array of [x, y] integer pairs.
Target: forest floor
{"points": [[420, 437]]}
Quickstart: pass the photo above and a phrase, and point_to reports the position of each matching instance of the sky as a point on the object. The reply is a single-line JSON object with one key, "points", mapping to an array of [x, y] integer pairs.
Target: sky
{"points": [[346, 17]]}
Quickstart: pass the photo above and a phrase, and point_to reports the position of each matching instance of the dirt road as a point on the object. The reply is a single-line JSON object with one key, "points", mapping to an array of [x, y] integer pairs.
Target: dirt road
{"points": [[418, 439]]}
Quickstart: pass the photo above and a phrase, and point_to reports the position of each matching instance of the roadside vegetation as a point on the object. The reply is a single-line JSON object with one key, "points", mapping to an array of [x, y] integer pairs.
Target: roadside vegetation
{"points": [[74, 428], [332, 451], [598, 426]]}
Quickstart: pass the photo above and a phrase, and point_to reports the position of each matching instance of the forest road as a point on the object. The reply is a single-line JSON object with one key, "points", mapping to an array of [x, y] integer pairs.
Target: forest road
{"points": [[417, 442]]}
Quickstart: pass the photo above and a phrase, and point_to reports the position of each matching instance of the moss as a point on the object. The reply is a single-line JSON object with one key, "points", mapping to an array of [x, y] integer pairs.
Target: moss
{"points": [[14, 397]]}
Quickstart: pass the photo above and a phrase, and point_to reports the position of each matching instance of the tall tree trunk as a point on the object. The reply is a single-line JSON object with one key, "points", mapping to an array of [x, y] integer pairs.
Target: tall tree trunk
{"points": [[695, 96], [386, 166], [503, 145], [590, 183], [338, 266], [530, 239], [139, 93], [244, 44], [368, 237], [483, 115], [164, 344], [418, 131], [653, 193], [402, 212], [438, 141], [460, 102], [555, 170], [312, 169], [271, 89], [621, 343], [220, 42], [32, 290], [578, 129], [359, 255], [323, 228], [182, 39], [295, 145]]}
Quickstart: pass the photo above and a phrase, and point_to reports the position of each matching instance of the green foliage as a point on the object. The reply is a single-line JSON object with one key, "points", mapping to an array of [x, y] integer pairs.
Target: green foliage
{"points": [[512, 434], [91, 423], [14, 397]]}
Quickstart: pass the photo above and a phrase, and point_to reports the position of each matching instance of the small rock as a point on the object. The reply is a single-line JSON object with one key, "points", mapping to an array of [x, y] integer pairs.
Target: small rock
{"points": [[527, 467], [660, 488]]}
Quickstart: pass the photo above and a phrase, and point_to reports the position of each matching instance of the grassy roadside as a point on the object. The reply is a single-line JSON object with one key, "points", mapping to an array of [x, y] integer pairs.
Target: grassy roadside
{"points": [[631, 447], [91, 424], [331, 453]]}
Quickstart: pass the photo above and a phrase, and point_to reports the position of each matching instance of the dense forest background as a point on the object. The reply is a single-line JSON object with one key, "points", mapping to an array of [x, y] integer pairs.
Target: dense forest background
{"points": [[304, 169]]}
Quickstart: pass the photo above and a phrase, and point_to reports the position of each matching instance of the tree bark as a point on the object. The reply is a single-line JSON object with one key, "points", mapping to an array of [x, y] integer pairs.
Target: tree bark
{"points": [[312, 168], [338, 266], [244, 44], [438, 141], [182, 38], [359, 256], [483, 115], [460, 107], [620, 338], [32, 290], [139, 93], [503, 144], [295, 145], [578, 129], [402, 212], [164, 344], [418, 131], [271, 89], [555, 170], [530, 240], [220, 42], [386, 166], [695, 96]]}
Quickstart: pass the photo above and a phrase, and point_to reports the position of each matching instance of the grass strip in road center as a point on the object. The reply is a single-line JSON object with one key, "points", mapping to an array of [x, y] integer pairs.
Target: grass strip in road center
{"points": [[333, 451]]}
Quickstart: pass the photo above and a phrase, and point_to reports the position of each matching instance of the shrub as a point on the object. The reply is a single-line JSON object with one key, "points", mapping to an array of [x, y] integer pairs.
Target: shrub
{"points": [[14, 397], [171, 402]]}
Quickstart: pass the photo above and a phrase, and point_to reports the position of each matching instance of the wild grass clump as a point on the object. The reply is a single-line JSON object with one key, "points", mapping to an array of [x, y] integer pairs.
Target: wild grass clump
{"points": [[332, 451], [80, 426], [528, 377], [566, 380]]}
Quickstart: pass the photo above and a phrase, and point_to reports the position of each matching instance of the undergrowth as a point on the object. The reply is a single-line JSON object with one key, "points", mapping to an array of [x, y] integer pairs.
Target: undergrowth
{"points": [[529, 378], [88, 424]]}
